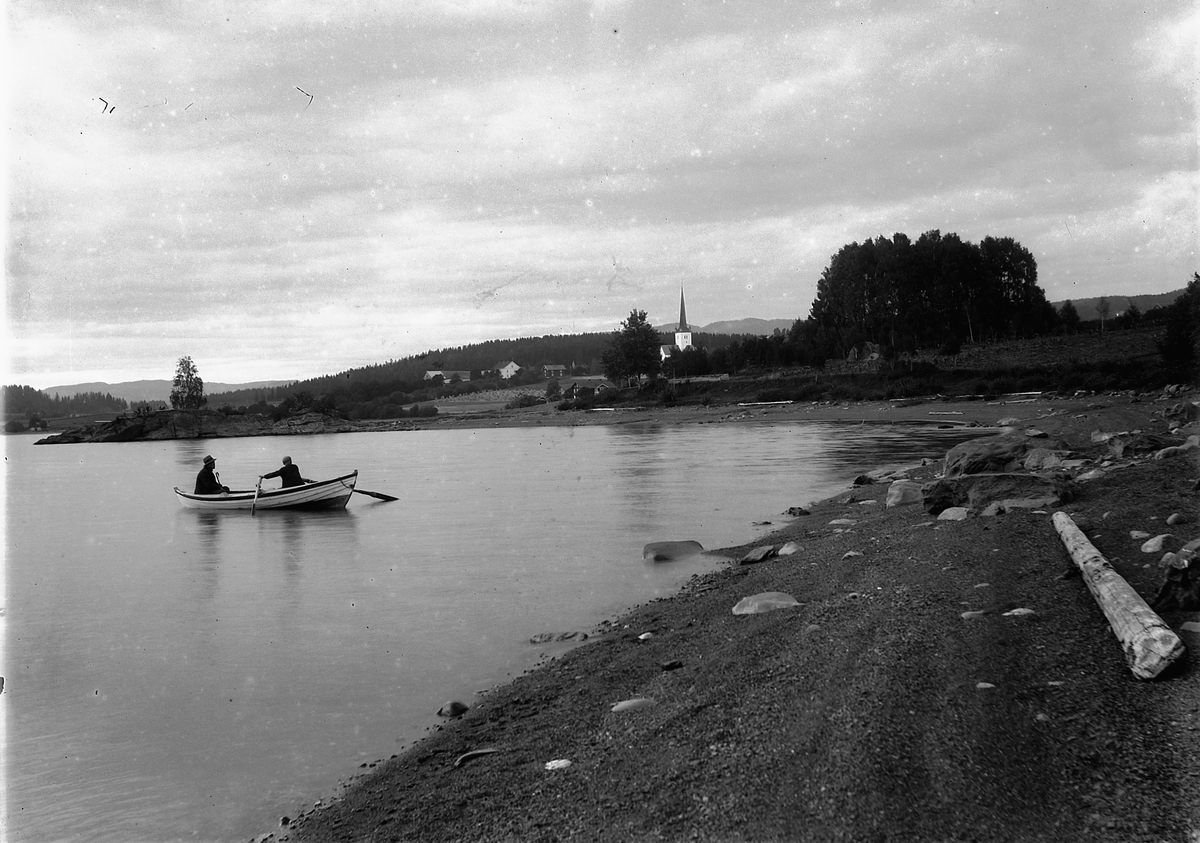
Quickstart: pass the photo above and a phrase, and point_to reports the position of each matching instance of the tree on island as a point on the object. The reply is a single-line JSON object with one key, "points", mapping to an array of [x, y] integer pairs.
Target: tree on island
{"points": [[633, 351], [187, 389]]}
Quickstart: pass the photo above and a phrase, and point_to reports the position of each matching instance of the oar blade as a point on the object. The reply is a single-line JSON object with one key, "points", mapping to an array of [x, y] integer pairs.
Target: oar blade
{"points": [[380, 495]]}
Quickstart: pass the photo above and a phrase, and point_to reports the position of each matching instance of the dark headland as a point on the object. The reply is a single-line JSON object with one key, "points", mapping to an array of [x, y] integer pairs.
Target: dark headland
{"points": [[903, 698]]}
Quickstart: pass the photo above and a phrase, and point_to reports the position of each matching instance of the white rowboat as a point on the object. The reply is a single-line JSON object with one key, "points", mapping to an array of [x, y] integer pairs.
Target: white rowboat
{"points": [[325, 494]]}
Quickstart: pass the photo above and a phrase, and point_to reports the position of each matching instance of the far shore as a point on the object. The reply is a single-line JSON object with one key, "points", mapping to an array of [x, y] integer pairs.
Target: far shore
{"points": [[1042, 408]]}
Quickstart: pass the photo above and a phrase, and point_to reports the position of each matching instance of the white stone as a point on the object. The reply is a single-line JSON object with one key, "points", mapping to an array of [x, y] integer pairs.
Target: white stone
{"points": [[636, 704], [1155, 545], [954, 513], [788, 549], [767, 601], [1019, 613]]}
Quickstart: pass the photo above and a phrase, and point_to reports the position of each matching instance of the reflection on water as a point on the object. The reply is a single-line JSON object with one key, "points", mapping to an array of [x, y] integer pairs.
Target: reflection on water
{"points": [[208, 545], [190, 453], [200, 673]]}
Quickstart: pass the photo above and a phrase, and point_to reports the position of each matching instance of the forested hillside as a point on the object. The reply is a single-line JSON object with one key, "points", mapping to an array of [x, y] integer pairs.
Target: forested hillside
{"points": [[27, 401]]}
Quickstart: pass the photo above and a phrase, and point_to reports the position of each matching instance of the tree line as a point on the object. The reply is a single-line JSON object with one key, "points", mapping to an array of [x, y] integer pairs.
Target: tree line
{"points": [[937, 292], [29, 402], [893, 296]]}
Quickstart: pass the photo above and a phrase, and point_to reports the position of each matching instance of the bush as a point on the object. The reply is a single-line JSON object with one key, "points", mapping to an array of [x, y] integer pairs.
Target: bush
{"points": [[524, 399]]}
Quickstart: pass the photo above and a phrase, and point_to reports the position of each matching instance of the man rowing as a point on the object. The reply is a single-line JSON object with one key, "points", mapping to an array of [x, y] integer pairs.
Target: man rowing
{"points": [[288, 473]]}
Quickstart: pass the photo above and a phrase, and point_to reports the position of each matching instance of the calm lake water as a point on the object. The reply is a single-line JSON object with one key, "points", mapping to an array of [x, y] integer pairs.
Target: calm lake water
{"points": [[177, 675]]}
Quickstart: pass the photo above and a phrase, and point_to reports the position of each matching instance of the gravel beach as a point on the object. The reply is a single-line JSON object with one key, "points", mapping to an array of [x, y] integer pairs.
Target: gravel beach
{"points": [[896, 701]]}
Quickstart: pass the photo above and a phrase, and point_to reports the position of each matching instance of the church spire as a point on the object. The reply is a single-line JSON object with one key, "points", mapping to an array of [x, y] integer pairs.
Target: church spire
{"points": [[683, 325]]}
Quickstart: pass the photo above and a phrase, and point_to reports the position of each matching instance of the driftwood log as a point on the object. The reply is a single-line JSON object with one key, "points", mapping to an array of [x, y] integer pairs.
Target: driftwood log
{"points": [[1150, 645]]}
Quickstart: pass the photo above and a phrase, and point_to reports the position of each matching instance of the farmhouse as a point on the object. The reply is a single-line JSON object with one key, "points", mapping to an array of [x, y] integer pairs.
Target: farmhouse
{"points": [[507, 369], [447, 375], [587, 387]]}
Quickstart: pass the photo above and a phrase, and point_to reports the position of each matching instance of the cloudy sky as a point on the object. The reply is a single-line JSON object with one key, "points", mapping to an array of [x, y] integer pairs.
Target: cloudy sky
{"points": [[291, 188]]}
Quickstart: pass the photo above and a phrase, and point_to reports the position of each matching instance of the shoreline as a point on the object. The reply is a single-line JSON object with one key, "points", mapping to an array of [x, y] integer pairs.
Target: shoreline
{"points": [[930, 411], [855, 715]]}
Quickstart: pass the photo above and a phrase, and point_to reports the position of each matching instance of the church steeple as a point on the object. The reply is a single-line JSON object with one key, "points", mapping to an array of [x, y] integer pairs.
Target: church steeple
{"points": [[683, 334]]}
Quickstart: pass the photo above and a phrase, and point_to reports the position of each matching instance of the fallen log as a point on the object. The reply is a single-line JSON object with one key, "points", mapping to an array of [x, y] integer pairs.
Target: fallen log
{"points": [[1150, 645]]}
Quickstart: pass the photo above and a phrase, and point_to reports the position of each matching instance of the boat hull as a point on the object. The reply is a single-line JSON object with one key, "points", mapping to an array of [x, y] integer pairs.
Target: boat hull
{"points": [[325, 494]]}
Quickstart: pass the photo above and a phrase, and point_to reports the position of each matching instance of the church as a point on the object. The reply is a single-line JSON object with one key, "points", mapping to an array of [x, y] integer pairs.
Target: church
{"points": [[683, 334]]}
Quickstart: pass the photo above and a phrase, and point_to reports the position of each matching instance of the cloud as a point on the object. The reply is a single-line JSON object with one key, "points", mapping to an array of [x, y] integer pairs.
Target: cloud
{"points": [[471, 170]]}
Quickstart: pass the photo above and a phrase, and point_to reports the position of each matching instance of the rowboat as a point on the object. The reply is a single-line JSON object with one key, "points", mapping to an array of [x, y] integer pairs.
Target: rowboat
{"points": [[325, 494]]}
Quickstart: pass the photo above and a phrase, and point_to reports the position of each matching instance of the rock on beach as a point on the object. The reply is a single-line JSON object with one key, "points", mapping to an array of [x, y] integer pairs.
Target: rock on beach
{"points": [[768, 601], [671, 550]]}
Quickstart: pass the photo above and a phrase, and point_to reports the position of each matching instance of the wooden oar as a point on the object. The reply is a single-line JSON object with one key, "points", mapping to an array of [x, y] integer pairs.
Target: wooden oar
{"points": [[254, 503], [379, 495]]}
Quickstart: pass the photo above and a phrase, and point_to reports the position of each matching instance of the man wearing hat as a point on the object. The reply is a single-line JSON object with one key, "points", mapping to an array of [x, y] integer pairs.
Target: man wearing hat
{"points": [[208, 482]]}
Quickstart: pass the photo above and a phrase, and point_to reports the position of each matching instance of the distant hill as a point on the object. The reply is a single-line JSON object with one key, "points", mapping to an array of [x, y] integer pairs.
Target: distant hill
{"points": [[754, 327], [150, 390], [1119, 304]]}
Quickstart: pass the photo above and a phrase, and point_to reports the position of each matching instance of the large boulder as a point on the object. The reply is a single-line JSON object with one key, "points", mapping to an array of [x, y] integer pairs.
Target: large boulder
{"points": [[1192, 443], [903, 493], [985, 455], [1136, 442], [1041, 459], [1180, 590], [1015, 490], [669, 551]]}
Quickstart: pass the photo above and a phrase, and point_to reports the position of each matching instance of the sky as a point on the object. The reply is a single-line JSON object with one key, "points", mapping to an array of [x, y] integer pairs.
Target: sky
{"points": [[290, 188]]}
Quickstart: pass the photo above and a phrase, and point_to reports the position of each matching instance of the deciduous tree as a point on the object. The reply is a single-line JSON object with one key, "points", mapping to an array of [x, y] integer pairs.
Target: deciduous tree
{"points": [[633, 351], [187, 389]]}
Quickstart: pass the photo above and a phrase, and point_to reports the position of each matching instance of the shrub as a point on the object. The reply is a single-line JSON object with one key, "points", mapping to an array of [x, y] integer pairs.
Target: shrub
{"points": [[524, 399]]}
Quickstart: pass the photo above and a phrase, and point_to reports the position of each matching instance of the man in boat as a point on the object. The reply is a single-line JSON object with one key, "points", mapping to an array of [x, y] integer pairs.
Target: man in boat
{"points": [[289, 473], [208, 482]]}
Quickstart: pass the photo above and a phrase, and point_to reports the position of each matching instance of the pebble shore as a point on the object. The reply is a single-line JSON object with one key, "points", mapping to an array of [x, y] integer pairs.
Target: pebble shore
{"points": [[929, 680]]}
